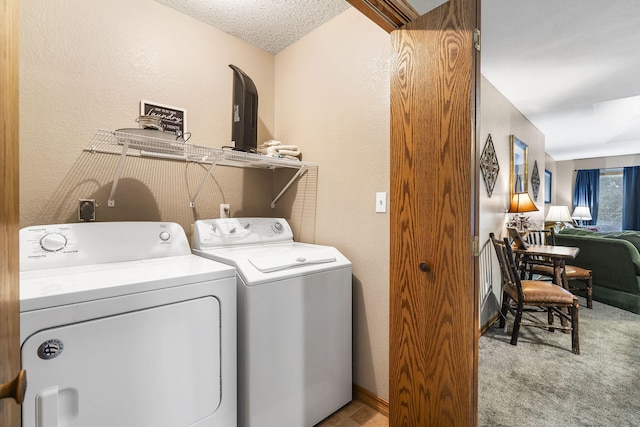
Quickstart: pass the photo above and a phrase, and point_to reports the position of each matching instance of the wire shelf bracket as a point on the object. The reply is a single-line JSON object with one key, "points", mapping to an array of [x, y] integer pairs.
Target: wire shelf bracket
{"points": [[192, 202], [301, 171]]}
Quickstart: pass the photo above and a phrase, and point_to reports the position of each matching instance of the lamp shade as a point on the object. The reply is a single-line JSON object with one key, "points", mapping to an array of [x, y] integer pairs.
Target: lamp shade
{"points": [[582, 213], [521, 202], [558, 214]]}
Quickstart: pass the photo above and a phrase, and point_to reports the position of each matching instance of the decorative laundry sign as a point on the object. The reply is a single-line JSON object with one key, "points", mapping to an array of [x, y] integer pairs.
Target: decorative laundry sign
{"points": [[173, 119]]}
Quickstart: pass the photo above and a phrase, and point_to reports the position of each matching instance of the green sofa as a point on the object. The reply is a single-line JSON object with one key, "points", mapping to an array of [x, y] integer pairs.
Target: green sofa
{"points": [[614, 259]]}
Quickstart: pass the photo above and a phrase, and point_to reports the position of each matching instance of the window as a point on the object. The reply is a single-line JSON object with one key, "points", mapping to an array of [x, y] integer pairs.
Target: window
{"points": [[610, 200]]}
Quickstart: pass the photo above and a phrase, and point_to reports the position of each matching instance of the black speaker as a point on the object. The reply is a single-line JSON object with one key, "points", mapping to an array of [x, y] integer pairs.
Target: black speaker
{"points": [[244, 125]]}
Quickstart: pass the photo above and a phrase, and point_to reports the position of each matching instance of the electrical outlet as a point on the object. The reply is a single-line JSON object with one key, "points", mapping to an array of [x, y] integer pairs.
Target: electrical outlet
{"points": [[86, 210], [225, 210]]}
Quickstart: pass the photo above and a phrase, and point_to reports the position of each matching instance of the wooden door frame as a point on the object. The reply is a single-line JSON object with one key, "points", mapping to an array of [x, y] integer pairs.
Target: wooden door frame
{"points": [[388, 14], [9, 208], [434, 270]]}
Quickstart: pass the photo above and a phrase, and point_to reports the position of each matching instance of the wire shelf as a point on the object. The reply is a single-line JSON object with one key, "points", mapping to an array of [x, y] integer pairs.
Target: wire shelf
{"points": [[118, 142], [166, 148]]}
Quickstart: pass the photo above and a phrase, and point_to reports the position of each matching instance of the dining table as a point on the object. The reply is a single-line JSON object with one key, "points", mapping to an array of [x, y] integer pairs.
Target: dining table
{"points": [[555, 254]]}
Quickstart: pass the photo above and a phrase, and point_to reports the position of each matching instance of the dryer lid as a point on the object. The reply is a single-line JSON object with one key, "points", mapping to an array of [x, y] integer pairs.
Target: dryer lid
{"points": [[268, 264]]}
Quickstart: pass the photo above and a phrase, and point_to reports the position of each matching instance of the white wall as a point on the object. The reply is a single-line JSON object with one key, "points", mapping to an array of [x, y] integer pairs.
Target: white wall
{"points": [[501, 119]]}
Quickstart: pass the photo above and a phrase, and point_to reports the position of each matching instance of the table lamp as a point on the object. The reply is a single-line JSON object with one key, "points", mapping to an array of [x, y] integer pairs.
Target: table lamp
{"points": [[521, 203], [558, 214], [581, 213]]}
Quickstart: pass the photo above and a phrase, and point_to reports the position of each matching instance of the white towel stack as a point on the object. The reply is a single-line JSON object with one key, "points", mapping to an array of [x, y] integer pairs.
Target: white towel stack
{"points": [[275, 148]]}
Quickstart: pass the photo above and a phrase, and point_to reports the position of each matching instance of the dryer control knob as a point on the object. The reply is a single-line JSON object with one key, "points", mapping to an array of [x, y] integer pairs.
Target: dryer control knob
{"points": [[277, 227], [53, 242], [164, 236]]}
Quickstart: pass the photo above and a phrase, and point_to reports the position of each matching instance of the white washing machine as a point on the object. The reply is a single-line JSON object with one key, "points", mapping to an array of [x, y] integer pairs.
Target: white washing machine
{"points": [[122, 326], [294, 320]]}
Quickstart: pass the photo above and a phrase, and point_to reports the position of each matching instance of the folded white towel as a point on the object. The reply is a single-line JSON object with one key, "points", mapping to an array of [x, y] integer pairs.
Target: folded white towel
{"points": [[270, 143], [288, 150], [267, 149], [286, 147], [274, 148], [272, 151]]}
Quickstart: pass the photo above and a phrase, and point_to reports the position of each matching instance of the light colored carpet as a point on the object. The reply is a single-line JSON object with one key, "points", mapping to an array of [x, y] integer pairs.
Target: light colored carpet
{"points": [[540, 382]]}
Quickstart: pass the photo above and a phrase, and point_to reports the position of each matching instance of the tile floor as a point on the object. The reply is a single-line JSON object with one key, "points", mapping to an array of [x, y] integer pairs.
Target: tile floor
{"points": [[355, 414]]}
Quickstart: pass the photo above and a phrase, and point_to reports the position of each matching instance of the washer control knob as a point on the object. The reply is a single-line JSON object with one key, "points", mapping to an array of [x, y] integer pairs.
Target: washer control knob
{"points": [[53, 242], [164, 236], [277, 227]]}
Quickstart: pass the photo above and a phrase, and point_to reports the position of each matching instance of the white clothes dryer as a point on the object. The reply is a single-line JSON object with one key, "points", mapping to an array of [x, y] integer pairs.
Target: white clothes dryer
{"points": [[294, 320], [121, 325]]}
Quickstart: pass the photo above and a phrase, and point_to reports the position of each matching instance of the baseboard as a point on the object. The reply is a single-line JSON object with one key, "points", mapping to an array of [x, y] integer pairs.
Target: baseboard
{"points": [[493, 320], [370, 399]]}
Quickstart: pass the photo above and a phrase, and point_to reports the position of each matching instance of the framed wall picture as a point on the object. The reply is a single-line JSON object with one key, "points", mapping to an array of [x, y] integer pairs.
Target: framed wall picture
{"points": [[173, 119], [547, 186], [519, 175]]}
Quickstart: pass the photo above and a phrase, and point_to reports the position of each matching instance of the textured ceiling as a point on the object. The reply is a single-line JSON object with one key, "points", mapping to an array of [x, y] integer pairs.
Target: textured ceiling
{"points": [[271, 25]]}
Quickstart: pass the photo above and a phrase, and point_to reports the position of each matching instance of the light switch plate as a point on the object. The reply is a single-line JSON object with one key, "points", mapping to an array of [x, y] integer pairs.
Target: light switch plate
{"points": [[381, 201]]}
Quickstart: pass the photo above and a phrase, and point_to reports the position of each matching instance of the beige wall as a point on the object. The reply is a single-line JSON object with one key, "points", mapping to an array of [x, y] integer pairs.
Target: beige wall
{"points": [[85, 66], [332, 99], [501, 119]]}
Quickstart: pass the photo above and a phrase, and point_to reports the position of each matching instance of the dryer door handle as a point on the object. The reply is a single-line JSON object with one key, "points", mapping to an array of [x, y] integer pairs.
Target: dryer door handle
{"points": [[15, 389], [47, 407]]}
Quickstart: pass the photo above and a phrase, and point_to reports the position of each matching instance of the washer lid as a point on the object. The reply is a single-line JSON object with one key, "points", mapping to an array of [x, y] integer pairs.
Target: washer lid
{"points": [[260, 264], [271, 263]]}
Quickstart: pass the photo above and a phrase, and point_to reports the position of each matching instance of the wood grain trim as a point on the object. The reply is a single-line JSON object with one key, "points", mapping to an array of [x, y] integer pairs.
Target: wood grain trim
{"points": [[371, 400], [388, 14], [9, 207], [434, 313]]}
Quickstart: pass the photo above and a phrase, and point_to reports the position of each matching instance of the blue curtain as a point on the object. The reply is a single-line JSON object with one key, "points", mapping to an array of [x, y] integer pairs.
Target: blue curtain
{"points": [[585, 192], [631, 198]]}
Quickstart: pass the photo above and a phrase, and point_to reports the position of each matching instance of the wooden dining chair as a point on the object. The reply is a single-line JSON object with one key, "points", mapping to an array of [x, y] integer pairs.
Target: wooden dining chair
{"points": [[538, 237], [533, 296], [529, 265], [580, 279]]}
